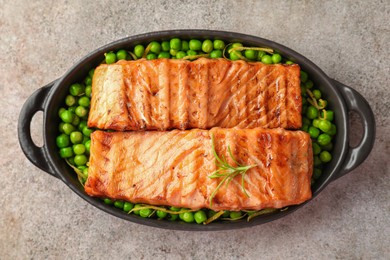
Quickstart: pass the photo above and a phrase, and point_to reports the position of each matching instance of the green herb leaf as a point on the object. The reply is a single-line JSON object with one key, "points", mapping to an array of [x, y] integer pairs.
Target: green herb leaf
{"points": [[226, 171]]}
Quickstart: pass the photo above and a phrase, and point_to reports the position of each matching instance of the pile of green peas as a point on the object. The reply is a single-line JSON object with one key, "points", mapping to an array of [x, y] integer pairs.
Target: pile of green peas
{"points": [[318, 121], [192, 49], [74, 138]]}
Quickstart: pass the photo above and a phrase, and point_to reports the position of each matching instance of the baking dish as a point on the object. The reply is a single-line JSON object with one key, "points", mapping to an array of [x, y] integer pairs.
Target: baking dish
{"points": [[48, 99]]}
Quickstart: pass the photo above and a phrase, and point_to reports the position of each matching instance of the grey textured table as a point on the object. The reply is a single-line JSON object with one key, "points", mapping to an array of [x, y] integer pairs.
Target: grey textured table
{"points": [[40, 217]]}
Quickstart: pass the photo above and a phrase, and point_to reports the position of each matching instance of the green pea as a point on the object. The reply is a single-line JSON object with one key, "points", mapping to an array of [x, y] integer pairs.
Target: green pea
{"points": [[161, 214], [139, 51], [313, 132], [62, 109], [332, 130], [195, 45], [188, 217], [309, 84], [200, 216], [60, 127], [235, 55], [72, 109], [78, 149], [173, 52], [316, 161], [66, 152], [108, 201], [145, 213], [62, 141], [323, 139], [181, 54], [76, 120], [164, 54], [110, 57], [304, 76], [276, 58], [218, 44], [88, 91], [173, 217], [67, 116], [316, 149], [81, 111], [70, 100], [316, 122], [316, 93], [76, 89], [266, 59], [236, 44], [136, 212], [85, 139], [317, 173], [324, 125], [250, 54], [191, 53], [174, 208], [85, 172], [88, 146], [84, 101], [329, 115], [82, 124], [260, 55], [76, 137], [185, 46], [215, 54], [151, 56], [312, 112], [87, 131], [235, 214], [289, 62], [165, 46], [127, 206], [121, 55], [71, 159], [118, 204], [175, 44], [80, 159], [325, 156], [68, 128], [207, 46], [155, 47]]}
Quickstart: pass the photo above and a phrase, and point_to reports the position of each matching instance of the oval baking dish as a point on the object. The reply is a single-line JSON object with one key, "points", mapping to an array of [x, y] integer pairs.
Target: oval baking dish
{"points": [[342, 99]]}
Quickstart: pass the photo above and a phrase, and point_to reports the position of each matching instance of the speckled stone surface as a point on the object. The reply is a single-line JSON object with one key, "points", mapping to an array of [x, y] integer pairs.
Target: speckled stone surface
{"points": [[41, 218]]}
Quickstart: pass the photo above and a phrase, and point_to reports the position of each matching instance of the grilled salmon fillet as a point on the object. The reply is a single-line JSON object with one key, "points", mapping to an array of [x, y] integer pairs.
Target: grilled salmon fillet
{"points": [[165, 94], [173, 168]]}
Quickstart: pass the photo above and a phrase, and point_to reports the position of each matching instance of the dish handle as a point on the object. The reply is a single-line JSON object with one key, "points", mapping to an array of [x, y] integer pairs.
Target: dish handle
{"points": [[357, 103], [33, 152]]}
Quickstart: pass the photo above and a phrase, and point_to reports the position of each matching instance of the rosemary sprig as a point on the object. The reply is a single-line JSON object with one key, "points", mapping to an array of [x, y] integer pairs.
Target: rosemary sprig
{"points": [[321, 104], [226, 171], [238, 49], [80, 176]]}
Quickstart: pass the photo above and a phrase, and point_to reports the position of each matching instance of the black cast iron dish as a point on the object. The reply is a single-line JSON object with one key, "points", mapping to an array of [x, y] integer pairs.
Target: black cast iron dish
{"points": [[49, 99]]}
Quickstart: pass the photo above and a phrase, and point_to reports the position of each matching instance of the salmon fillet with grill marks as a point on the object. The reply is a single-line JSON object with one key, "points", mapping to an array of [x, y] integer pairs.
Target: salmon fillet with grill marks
{"points": [[173, 168], [167, 94]]}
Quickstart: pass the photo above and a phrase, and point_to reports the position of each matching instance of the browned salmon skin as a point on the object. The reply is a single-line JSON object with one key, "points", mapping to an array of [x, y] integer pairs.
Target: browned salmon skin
{"points": [[173, 168], [165, 94]]}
